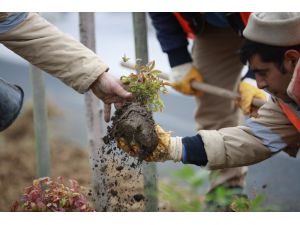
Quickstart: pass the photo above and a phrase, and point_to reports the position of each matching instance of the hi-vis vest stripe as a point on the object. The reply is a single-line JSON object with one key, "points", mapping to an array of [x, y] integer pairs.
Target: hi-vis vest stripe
{"points": [[185, 25], [290, 115]]}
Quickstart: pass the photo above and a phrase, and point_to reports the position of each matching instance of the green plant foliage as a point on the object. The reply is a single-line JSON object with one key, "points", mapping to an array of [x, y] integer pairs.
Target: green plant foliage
{"points": [[146, 85], [46, 195], [183, 194]]}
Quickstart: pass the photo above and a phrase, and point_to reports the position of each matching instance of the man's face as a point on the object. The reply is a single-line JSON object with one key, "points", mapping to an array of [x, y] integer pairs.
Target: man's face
{"points": [[270, 78]]}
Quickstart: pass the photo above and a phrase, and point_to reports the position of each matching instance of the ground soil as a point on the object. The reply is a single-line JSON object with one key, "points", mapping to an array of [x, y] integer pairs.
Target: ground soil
{"points": [[121, 174], [18, 158]]}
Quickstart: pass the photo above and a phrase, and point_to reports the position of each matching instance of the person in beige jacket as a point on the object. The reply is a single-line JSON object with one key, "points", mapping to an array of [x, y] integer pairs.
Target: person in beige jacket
{"points": [[45, 46], [272, 49]]}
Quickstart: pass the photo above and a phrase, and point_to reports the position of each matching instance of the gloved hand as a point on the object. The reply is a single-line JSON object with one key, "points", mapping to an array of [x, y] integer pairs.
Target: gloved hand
{"points": [[168, 148], [247, 93], [181, 79]]}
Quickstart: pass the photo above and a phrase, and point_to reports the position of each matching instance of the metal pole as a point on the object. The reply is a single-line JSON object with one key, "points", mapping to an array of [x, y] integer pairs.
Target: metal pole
{"points": [[141, 51], [40, 122]]}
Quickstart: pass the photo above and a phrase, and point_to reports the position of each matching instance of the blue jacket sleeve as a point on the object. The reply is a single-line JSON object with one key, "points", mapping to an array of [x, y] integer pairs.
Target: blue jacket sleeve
{"points": [[171, 37]]}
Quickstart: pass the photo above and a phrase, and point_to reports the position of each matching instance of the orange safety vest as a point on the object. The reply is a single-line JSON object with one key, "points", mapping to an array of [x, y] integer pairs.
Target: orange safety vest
{"points": [[190, 33], [295, 120]]}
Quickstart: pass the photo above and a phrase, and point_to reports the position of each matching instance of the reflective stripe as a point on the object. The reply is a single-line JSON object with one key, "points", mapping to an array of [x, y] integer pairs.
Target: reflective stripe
{"points": [[185, 25], [245, 17], [290, 115], [191, 34], [12, 21], [270, 139]]}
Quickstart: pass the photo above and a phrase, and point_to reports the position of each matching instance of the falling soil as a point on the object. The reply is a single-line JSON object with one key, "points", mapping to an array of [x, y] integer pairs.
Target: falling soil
{"points": [[120, 179], [121, 185]]}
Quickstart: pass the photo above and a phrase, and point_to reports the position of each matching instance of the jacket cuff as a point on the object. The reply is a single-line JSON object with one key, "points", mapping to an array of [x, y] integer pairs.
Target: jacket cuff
{"points": [[91, 78], [179, 56], [193, 151], [214, 147]]}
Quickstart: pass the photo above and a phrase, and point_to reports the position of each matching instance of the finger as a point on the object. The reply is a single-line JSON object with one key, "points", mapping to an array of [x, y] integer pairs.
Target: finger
{"points": [[107, 109], [113, 99], [120, 91], [118, 105]]}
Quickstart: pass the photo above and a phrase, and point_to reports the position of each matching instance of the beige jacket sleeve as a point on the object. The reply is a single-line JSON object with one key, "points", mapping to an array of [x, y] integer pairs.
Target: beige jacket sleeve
{"points": [[43, 45], [264, 136]]}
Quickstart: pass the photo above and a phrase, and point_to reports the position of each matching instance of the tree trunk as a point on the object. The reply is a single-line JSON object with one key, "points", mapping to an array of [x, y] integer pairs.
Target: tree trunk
{"points": [[94, 110]]}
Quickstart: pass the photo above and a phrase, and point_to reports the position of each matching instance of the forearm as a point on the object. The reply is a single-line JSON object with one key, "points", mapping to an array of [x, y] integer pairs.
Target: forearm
{"points": [[43, 45], [220, 149]]}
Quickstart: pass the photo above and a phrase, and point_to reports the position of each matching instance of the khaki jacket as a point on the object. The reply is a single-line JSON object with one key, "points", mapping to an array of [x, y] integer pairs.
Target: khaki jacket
{"points": [[44, 46], [263, 137]]}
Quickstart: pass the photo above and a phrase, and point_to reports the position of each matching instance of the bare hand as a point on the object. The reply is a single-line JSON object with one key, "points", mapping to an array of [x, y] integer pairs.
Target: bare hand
{"points": [[110, 90]]}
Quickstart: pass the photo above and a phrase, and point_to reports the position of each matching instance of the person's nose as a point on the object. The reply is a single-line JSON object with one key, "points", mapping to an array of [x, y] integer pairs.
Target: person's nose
{"points": [[261, 82]]}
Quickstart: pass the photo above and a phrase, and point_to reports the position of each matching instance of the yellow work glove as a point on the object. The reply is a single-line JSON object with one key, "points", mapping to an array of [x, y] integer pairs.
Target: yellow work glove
{"points": [[182, 76], [247, 93], [168, 148]]}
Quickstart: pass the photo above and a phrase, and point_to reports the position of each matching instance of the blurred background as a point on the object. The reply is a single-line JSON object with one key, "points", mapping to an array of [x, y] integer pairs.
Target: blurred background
{"points": [[276, 179]]}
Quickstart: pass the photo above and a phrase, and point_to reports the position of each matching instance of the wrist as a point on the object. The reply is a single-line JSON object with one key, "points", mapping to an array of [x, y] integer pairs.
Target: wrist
{"points": [[180, 72], [175, 149], [194, 151], [179, 56]]}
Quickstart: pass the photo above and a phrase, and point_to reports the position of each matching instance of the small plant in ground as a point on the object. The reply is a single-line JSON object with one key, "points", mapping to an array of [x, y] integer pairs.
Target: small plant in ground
{"points": [[46, 195], [146, 86]]}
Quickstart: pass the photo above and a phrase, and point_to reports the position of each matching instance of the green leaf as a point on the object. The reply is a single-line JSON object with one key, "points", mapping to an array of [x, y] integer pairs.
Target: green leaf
{"points": [[186, 172]]}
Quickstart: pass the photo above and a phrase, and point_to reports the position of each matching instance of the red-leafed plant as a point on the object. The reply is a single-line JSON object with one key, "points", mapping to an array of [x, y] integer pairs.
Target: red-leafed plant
{"points": [[46, 195]]}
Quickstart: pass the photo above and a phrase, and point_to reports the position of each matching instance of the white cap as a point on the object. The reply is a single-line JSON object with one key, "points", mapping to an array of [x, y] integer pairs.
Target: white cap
{"points": [[274, 28]]}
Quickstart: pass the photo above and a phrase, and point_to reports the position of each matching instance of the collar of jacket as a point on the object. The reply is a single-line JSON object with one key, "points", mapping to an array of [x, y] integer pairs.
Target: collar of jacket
{"points": [[4, 15]]}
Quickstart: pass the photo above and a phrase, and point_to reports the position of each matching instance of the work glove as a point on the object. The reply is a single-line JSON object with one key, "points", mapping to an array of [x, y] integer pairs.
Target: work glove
{"points": [[168, 148], [182, 76], [247, 93]]}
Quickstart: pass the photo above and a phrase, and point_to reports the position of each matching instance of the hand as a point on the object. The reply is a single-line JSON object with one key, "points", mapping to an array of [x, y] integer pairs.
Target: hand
{"points": [[247, 93], [110, 90], [168, 148], [181, 79]]}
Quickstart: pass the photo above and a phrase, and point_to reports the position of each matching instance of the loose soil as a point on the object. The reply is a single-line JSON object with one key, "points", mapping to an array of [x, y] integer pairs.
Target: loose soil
{"points": [[120, 173]]}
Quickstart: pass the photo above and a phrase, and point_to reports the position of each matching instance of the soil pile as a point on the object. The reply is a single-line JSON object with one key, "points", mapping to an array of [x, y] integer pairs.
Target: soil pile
{"points": [[18, 159]]}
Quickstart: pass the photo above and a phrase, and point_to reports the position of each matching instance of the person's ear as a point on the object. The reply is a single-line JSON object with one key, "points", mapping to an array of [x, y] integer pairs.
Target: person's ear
{"points": [[290, 60]]}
